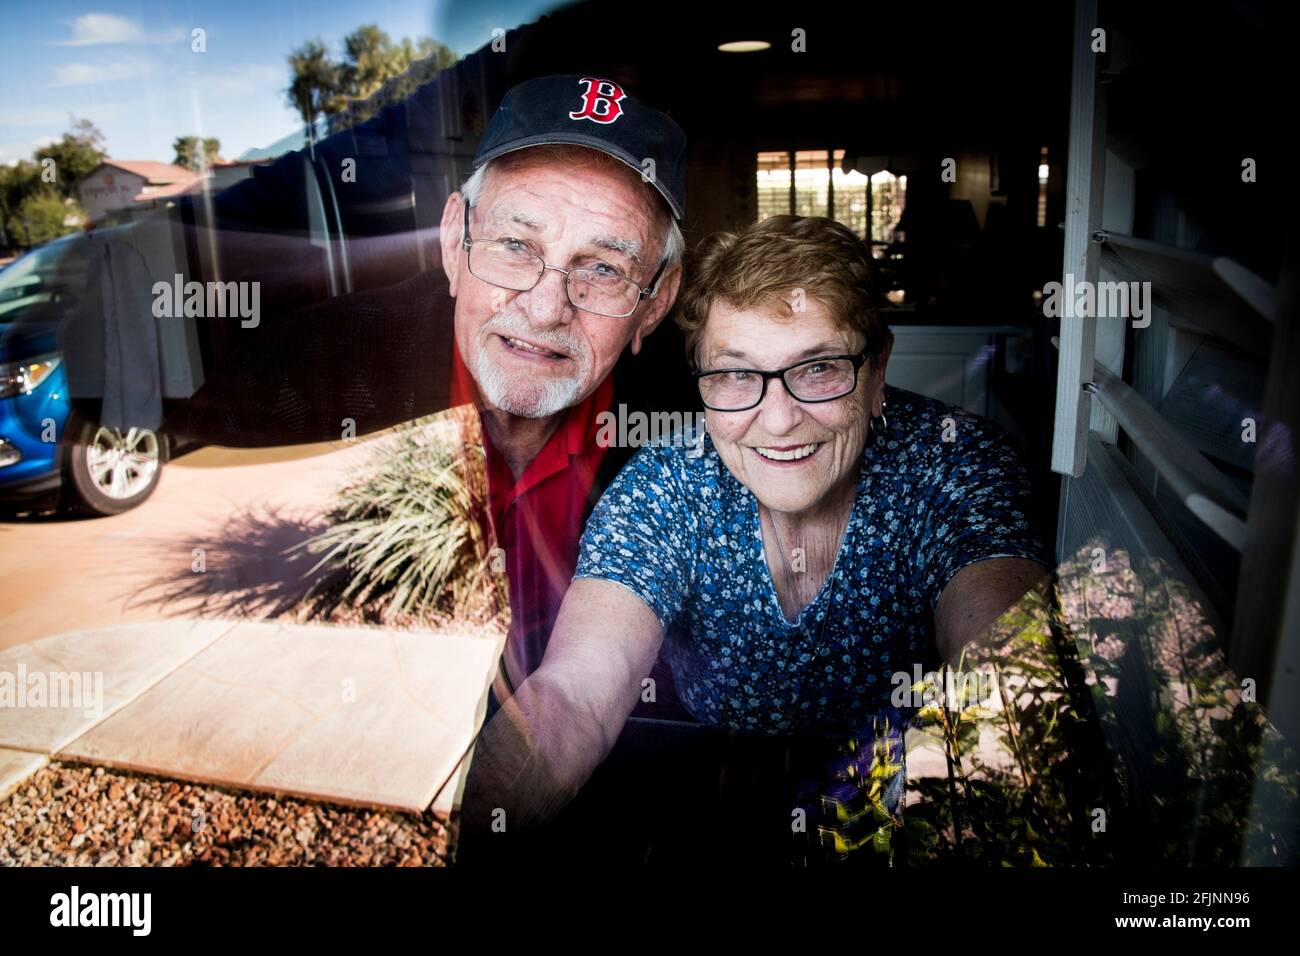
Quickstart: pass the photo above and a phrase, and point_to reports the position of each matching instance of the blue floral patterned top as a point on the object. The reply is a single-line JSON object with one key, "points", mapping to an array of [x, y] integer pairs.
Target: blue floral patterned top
{"points": [[940, 489]]}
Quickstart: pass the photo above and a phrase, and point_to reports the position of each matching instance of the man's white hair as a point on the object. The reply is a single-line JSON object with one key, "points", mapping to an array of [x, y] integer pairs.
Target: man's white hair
{"points": [[674, 245]]}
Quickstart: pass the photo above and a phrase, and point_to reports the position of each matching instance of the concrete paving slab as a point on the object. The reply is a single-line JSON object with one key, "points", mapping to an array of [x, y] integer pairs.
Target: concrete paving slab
{"points": [[361, 716], [55, 689]]}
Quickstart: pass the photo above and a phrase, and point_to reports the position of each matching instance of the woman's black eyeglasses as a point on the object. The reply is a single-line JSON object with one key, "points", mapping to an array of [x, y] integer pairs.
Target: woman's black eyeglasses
{"points": [[815, 380]]}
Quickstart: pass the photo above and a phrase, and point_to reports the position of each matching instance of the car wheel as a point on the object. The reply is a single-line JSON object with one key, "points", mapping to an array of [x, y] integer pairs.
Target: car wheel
{"points": [[111, 470]]}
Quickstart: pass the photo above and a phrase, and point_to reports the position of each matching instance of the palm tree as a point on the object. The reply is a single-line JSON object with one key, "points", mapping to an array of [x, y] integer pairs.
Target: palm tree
{"points": [[315, 83]]}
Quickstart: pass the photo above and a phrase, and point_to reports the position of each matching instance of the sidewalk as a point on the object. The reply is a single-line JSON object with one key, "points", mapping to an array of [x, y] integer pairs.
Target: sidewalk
{"points": [[357, 716]]}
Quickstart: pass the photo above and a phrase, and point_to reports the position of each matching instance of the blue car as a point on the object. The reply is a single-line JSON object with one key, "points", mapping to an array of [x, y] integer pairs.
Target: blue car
{"points": [[46, 449]]}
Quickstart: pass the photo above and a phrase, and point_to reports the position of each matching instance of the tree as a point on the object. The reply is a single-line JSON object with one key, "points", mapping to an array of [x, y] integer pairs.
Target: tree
{"points": [[380, 73], [196, 154], [315, 80], [42, 216], [187, 151], [79, 151], [16, 183], [371, 59], [32, 192], [374, 73]]}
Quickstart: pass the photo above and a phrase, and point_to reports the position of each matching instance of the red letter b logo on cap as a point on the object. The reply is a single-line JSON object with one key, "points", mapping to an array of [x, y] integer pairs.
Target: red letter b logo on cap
{"points": [[600, 101]]}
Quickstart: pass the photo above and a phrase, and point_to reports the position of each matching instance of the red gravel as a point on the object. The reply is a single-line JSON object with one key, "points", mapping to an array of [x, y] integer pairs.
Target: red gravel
{"points": [[77, 815]]}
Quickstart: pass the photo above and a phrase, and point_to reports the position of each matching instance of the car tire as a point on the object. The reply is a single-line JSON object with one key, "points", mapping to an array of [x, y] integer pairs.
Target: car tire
{"points": [[108, 471]]}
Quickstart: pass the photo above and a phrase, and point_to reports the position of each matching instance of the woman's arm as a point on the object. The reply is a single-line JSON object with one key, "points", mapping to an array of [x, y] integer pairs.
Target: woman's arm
{"points": [[543, 744], [977, 598]]}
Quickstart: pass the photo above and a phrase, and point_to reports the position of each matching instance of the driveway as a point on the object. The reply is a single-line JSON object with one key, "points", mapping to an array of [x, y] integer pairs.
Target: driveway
{"points": [[208, 544]]}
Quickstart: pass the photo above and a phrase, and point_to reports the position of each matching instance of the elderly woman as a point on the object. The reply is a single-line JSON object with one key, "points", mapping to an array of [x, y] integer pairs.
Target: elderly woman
{"points": [[834, 532]]}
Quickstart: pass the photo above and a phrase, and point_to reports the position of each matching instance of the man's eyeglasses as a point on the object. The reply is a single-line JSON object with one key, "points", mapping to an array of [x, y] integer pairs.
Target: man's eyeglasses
{"points": [[812, 380], [511, 265]]}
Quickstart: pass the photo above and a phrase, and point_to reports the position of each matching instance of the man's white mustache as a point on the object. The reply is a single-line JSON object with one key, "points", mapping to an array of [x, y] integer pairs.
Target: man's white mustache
{"points": [[515, 326], [534, 396]]}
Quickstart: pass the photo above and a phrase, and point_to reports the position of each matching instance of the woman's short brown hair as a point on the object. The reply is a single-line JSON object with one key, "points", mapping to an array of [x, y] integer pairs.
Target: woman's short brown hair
{"points": [[764, 264]]}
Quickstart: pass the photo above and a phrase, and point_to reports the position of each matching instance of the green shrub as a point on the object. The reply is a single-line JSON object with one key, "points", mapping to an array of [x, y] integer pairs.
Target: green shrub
{"points": [[407, 539]]}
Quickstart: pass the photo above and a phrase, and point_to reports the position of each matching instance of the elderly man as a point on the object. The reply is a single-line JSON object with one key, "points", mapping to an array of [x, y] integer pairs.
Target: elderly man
{"points": [[562, 251]]}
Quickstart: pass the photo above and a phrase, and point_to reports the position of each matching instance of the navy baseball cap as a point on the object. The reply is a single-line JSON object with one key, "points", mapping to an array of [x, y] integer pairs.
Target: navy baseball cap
{"points": [[593, 112]]}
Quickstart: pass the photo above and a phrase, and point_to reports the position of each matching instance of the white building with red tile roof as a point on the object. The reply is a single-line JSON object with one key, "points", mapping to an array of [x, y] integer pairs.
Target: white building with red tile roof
{"points": [[117, 183], [142, 183]]}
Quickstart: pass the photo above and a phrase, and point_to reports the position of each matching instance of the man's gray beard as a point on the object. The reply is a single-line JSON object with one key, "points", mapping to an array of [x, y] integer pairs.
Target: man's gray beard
{"points": [[524, 396]]}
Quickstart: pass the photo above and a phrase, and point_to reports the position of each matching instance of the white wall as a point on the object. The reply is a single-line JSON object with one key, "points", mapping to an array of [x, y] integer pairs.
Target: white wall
{"points": [[106, 189]]}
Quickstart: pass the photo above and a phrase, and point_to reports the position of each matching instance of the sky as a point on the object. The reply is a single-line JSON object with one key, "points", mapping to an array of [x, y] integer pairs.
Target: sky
{"points": [[128, 66]]}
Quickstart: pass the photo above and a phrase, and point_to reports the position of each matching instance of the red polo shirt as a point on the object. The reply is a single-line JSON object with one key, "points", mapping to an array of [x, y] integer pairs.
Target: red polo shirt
{"points": [[537, 519]]}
